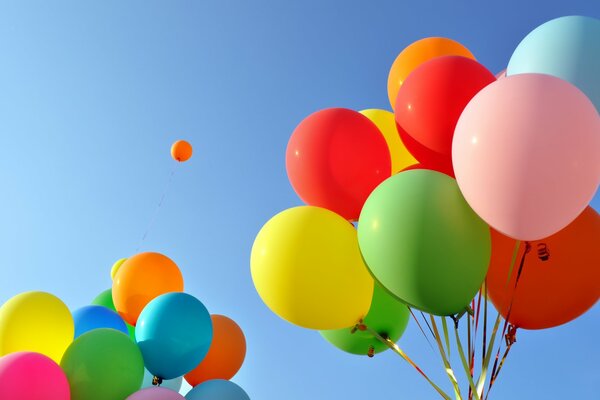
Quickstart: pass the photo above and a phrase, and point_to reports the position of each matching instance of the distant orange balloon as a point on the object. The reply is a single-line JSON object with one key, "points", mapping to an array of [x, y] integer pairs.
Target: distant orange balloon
{"points": [[416, 54], [140, 279], [181, 151], [225, 356], [560, 276]]}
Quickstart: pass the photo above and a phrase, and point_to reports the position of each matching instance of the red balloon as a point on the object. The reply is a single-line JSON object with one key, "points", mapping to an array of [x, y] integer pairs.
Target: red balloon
{"points": [[559, 279], [428, 159], [335, 158], [432, 98]]}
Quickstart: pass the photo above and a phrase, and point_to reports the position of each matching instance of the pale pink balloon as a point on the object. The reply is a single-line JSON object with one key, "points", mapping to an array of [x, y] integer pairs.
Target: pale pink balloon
{"points": [[27, 376], [156, 393], [526, 154]]}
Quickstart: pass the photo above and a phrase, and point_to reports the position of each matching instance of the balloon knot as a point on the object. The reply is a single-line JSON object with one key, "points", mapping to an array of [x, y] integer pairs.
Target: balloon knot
{"points": [[371, 352], [511, 335], [543, 252], [156, 381]]}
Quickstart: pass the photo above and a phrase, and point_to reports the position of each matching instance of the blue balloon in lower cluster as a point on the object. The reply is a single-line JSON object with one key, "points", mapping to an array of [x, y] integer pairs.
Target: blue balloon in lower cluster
{"points": [[173, 384], [94, 317], [217, 389], [174, 332]]}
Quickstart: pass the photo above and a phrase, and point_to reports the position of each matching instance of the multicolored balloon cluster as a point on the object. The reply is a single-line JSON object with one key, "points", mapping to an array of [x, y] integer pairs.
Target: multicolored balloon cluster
{"points": [[442, 190], [137, 341]]}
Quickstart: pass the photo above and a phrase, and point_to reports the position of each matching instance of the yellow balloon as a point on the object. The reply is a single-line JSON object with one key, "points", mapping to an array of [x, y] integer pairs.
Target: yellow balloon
{"points": [[116, 266], [307, 268], [36, 321], [386, 122]]}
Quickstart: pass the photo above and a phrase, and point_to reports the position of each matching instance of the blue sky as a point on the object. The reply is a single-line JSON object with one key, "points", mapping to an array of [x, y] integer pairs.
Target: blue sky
{"points": [[92, 94]]}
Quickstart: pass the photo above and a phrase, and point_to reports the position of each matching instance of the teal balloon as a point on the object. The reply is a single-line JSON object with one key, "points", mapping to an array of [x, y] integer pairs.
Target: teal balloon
{"points": [[423, 243], [217, 389], [174, 332], [103, 364], [566, 47], [105, 299], [173, 384], [388, 316]]}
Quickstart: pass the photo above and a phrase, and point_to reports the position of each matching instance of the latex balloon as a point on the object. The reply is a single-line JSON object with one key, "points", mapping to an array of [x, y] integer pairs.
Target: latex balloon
{"points": [[142, 278], [174, 334], [36, 321], [116, 266], [501, 74], [30, 376], [385, 121], [387, 316], [416, 54], [104, 299], [526, 154], [427, 158], [181, 151], [335, 158], [423, 243], [565, 47], [307, 268], [156, 393], [94, 317], [226, 354], [103, 364], [559, 279], [217, 389], [432, 98], [173, 384]]}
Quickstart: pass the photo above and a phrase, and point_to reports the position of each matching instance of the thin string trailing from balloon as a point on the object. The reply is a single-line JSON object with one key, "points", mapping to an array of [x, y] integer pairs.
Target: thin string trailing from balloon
{"points": [[402, 354], [447, 366], [420, 328], [157, 209], [468, 373]]}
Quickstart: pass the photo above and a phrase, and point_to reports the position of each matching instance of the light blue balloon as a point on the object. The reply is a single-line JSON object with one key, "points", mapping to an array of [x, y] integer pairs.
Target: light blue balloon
{"points": [[94, 317], [173, 384], [566, 47], [217, 389], [173, 332]]}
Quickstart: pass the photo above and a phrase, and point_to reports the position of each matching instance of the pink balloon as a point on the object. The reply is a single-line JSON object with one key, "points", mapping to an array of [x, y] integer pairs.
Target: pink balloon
{"points": [[526, 154], [156, 393], [27, 376], [501, 74]]}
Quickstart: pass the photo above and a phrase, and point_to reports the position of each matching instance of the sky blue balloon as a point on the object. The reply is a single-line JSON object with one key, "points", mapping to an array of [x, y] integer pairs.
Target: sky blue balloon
{"points": [[566, 47], [173, 384], [217, 389], [174, 332], [94, 317]]}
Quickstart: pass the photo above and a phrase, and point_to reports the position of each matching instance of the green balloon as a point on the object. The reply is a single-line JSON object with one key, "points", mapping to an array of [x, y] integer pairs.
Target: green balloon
{"points": [[387, 316], [105, 299], [423, 243], [103, 364]]}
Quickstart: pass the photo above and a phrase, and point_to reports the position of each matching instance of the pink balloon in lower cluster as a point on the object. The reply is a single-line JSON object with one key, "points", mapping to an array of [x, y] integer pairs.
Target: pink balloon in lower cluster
{"points": [[526, 154], [28, 376], [156, 393]]}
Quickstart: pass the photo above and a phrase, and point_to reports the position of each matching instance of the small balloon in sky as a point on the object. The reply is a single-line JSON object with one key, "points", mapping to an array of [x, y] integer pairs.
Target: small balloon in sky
{"points": [[181, 151], [116, 266]]}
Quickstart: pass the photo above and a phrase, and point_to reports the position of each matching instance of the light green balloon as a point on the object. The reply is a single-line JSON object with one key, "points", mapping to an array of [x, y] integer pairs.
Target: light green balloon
{"points": [[105, 299], [423, 243], [103, 364], [387, 316]]}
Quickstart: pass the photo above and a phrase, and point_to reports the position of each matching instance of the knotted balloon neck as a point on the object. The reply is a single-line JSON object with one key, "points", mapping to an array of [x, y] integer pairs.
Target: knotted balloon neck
{"points": [[157, 381]]}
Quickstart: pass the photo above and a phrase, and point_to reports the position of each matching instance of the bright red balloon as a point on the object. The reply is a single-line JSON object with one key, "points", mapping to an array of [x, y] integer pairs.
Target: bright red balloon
{"points": [[560, 275], [428, 159], [335, 158], [432, 98]]}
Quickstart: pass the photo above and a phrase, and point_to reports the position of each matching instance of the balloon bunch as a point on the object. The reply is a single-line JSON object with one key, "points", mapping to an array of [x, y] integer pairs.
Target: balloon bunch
{"points": [[475, 187], [137, 340]]}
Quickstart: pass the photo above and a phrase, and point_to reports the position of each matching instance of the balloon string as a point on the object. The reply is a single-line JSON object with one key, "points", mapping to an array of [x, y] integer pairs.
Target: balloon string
{"points": [[420, 328], [510, 338], [402, 354], [468, 372], [157, 209], [445, 360]]}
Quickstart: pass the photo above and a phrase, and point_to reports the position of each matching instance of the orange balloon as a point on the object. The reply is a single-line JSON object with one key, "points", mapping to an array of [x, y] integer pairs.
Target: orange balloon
{"points": [[225, 356], [559, 279], [416, 54], [142, 278], [181, 151]]}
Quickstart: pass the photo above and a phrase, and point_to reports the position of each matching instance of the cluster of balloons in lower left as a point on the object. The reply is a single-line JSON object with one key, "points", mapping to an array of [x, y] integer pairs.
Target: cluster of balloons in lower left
{"points": [[136, 341]]}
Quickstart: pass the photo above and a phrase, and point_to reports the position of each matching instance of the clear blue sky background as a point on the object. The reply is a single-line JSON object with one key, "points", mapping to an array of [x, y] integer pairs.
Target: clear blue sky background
{"points": [[92, 94]]}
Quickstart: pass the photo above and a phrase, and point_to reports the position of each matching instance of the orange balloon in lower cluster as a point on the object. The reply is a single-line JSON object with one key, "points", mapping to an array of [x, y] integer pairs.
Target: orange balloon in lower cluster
{"points": [[181, 151], [559, 279], [140, 279], [226, 354]]}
